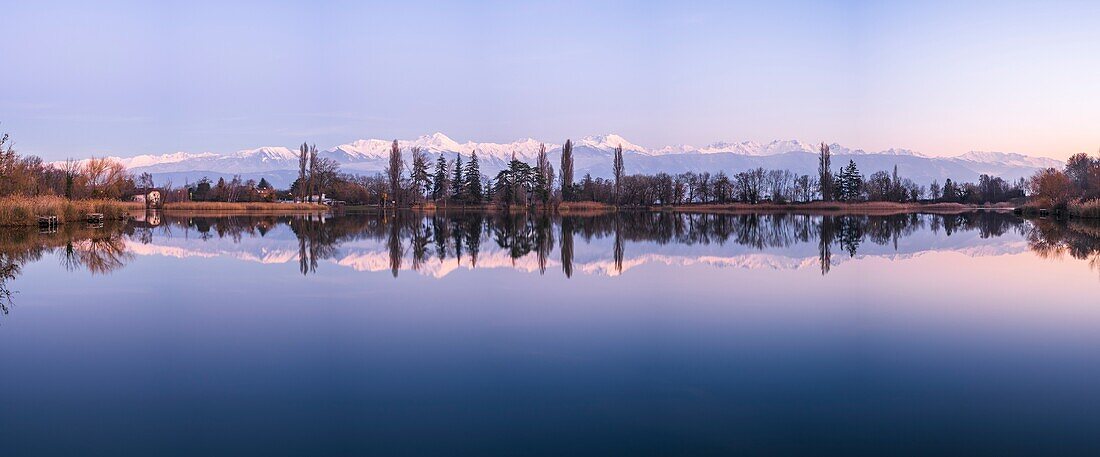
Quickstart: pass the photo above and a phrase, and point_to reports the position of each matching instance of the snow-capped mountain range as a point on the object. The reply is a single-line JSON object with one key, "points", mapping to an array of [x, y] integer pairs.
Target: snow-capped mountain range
{"points": [[592, 155]]}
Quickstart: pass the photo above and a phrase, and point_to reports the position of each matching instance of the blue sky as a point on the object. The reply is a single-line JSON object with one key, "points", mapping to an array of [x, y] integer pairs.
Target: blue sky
{"points": [[126, 78]]}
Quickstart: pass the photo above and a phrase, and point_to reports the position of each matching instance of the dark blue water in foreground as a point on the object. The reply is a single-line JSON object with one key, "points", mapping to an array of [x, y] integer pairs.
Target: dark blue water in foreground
{"points": [[640, 334]]}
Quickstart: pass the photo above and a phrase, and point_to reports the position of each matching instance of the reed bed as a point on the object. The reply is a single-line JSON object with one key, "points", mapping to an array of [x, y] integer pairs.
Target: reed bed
{"points": [[1087, 209], [25, 211]]}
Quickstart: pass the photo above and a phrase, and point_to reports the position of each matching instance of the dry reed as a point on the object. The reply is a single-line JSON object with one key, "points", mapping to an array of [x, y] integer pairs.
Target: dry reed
{"points": [[25, 211]]}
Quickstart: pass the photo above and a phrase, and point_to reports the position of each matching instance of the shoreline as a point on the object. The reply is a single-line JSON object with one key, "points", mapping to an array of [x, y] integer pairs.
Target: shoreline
{"points": [[26, 211], [243, 208], [582, 208], [862, 208], [1088, 210]]}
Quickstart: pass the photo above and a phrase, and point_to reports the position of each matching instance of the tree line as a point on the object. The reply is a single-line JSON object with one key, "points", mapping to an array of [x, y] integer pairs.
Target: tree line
{"points": [[30, 176], [410, 179], [1079, 181], [520, 183]]}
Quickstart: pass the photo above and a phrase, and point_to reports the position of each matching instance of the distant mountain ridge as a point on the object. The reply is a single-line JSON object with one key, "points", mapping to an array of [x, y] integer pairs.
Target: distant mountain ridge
{"points": [[592, 155]]}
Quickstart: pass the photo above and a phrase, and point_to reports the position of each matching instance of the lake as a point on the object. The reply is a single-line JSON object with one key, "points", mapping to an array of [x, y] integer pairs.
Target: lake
{"points": [[628, 334]]}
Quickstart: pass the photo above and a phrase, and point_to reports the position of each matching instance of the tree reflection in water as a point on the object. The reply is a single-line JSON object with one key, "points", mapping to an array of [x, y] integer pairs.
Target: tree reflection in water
{"points": [[8, 272], [99, 250], [1052, 239], [461, 238], [98, 254]]}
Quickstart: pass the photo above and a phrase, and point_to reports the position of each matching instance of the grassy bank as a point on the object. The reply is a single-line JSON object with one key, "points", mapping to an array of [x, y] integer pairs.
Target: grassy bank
{"points": [[25, 211]]}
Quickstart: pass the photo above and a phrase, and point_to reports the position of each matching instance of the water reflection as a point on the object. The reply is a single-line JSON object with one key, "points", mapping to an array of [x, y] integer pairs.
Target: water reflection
{"points": [[1054, 240], [717, 324], [99, 249], [611, 244]]}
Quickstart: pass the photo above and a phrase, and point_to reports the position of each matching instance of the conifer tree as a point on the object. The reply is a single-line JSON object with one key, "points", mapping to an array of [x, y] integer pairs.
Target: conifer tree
{"points": [[490, 190], [456, 179], [538, 183], [851, 182], [521, 177], [950, 191], [472, 185], [439, 181]]}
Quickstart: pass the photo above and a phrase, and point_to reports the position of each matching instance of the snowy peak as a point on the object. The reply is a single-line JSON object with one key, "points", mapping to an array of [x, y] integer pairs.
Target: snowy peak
{"points": [[436, 142], [147, 160], [525, 149], [753, 148], [748, 148], [841, 150], [368, 156], [1010, 158], [785, 146], [609, 142], [439, 143], [267, 154], [676, 149], [900, 152], [363, 149], [371, 149]]}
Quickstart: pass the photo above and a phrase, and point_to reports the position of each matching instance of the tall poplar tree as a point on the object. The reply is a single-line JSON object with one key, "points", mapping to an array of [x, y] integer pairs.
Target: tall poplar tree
{"points": [[567, 171], [303, 161], [617, 169], [825, 172], [393, 172]]}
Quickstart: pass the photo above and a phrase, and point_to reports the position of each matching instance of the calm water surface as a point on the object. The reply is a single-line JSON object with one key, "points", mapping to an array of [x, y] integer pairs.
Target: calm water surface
{"points": [[637, 334]]}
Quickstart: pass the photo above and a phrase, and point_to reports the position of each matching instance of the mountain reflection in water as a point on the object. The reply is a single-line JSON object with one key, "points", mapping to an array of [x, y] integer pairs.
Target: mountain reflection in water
{"points": [[631, 333], [607, 244]]}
